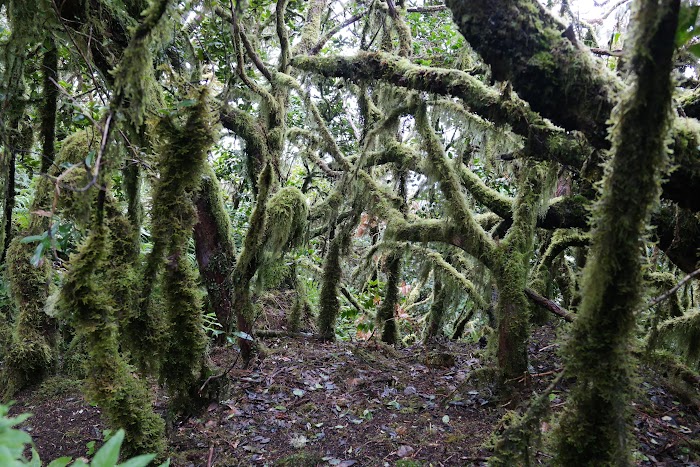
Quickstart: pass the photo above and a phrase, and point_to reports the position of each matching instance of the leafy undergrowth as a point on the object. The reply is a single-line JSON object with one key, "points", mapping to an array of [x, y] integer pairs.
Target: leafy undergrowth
{"points": [[309, 404]]}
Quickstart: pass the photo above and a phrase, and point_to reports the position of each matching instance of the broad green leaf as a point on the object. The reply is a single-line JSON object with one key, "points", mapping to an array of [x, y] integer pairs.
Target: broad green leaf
{"points": [[687, 17], [138, 461], [60, 462], [36, 460], [33, 238], [36, 258], [242, 335], [108, 455], [695, 50]]}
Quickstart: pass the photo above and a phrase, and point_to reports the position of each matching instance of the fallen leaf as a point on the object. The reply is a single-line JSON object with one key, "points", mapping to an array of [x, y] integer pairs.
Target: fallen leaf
{"points": [[404, 451]]}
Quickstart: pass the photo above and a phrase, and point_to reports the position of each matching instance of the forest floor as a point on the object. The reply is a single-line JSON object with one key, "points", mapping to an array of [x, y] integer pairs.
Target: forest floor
{"points": [[308, 403]]}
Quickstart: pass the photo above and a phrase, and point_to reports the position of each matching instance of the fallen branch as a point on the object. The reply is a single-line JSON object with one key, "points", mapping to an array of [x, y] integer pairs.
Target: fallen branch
{"points": [[282, 333]]}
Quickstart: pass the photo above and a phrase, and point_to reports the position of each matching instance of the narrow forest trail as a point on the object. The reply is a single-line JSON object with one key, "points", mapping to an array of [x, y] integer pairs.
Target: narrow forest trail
{"points": [[309, 404]]}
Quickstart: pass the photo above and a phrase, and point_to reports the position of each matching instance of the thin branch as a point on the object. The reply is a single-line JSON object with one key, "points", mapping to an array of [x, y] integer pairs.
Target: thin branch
{"points": [[427, 9], [233, 19], [283, 36], [548, 304], [335, 30], [672, 290], [608, 53], [238, 47]]}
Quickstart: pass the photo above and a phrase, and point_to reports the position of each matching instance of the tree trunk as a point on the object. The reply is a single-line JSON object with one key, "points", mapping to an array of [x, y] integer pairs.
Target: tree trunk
{"points": [[214, 248]]}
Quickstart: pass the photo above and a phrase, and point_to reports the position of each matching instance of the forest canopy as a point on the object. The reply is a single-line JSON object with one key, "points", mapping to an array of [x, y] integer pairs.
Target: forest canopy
{"points": [[405, 171]]}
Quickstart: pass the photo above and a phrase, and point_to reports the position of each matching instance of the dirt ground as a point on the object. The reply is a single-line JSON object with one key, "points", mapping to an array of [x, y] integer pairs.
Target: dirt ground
{"points": [[308, 403]]}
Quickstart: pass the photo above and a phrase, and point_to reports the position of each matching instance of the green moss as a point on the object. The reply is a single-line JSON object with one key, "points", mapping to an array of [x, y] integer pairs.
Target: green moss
{"points": [[183, 153], [286, 221], [513, 263], [29, 357], [480, 246], [561, 240], [133, 76], [111, 383], [681, 336]]}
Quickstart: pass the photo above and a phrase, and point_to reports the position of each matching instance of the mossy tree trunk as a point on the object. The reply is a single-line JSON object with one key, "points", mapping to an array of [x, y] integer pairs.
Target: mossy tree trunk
{"points": [[183, 157], [329, 305], [386, 316], [593, 429], [512, 260], [49, 71], [214, 248], [436, 315], [121, 395]]}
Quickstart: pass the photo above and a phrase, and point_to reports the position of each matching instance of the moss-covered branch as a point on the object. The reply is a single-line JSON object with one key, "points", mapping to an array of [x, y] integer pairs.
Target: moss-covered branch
{"points": [[481, 245], [450, 273], [492, 199], [542, 138]]}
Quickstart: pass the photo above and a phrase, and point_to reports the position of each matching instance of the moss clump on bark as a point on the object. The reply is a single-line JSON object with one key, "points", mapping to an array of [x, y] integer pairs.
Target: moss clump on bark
{"points": [[681, 335], [30, 356], [286, 221]]}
